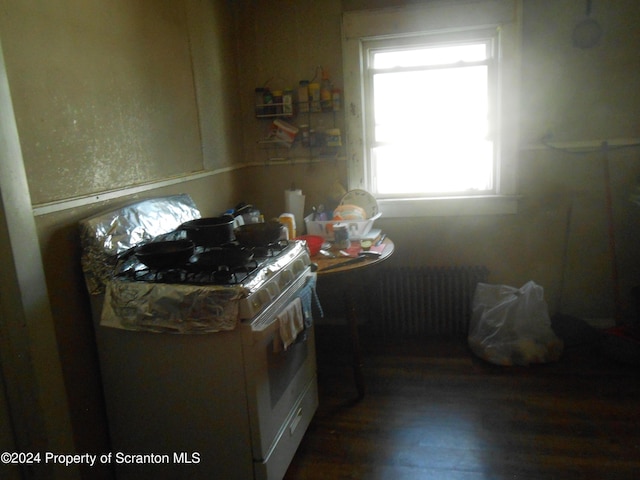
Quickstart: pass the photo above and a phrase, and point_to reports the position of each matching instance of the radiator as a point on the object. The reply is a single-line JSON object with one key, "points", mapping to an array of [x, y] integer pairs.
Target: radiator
{"points": [[424, 301]]}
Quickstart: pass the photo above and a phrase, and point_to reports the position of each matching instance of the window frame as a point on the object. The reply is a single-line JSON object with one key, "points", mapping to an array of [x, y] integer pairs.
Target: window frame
{"points": [[362, 29]]}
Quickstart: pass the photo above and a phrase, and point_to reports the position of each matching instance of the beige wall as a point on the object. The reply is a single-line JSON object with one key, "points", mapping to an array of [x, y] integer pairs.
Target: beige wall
{"points": [[120, 100], [120, 94]]}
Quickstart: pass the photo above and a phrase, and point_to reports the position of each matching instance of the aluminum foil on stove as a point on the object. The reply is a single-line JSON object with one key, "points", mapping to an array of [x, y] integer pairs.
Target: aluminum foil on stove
{"points": [[106, 236], [170, 308]]}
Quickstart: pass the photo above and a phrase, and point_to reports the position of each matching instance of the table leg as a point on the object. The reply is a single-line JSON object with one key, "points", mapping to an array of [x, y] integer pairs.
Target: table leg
{"points": [[352, 323]]}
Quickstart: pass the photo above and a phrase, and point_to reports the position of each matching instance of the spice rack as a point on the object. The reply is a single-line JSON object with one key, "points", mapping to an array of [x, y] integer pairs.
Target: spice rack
{"points": [[301, 126]]}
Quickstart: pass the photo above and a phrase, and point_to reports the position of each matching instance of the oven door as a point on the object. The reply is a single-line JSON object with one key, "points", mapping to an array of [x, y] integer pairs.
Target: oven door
{"points": [[281, 384]]}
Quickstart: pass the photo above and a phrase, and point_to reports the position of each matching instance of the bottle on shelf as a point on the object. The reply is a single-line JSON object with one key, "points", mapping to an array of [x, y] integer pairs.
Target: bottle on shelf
{"points": [[314, 97]]}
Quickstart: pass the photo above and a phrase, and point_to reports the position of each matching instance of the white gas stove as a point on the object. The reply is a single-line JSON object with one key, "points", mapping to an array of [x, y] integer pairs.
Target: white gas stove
{"points": [[194, 365]]}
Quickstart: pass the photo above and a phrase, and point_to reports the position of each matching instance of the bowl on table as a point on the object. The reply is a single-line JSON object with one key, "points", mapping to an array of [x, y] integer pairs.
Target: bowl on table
{"points": [[314, 243]]}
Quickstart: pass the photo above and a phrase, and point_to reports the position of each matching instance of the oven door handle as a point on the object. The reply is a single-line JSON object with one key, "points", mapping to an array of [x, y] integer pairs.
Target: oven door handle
{"points": [[273, 328], [272, 331]]}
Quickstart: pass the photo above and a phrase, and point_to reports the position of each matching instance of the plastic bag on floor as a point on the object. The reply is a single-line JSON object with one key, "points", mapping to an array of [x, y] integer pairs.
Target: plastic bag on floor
{"points": [[511, 326]]}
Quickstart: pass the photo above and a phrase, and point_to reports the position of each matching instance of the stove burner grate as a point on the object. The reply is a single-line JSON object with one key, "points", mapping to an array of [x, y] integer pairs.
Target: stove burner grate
{"points": [[192, 273]]}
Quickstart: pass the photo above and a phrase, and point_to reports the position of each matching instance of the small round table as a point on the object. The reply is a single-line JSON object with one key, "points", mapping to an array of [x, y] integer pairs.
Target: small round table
{"points": [[330, 267]]}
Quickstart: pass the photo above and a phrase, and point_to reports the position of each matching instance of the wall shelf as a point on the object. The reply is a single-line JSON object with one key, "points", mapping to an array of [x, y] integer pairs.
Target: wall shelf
{"points": [[310, 143]]}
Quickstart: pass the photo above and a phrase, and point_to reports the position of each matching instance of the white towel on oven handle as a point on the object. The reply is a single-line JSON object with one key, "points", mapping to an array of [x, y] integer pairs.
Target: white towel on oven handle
{"points": [[290, 323]]}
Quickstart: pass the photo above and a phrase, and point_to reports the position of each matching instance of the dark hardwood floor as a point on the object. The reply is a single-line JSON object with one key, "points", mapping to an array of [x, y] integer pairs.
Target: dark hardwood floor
{"points": [[434, 411]]}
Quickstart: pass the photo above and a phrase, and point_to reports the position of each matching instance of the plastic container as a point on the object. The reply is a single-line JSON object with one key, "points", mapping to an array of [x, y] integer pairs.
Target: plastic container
{"points": [[357, 229]]}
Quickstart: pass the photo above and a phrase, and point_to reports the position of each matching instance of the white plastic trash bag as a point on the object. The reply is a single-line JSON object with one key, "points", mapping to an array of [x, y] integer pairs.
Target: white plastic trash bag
{"points": [[511, 326]]}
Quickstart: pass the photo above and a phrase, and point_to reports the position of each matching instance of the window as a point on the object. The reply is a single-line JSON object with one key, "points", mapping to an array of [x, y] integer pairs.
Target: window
{"points": [[430, 115], [433, 107]]}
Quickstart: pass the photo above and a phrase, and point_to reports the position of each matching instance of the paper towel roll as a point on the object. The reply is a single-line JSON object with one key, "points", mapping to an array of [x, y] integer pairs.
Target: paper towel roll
{"points": [[294, 203]]}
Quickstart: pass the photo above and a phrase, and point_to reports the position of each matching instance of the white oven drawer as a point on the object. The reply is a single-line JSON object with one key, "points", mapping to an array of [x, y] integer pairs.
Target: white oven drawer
{"points": [[279, 458]]}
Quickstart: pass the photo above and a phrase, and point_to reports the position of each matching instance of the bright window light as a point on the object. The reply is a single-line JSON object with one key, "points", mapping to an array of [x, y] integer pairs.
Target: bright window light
{"points": [[431, 124]]}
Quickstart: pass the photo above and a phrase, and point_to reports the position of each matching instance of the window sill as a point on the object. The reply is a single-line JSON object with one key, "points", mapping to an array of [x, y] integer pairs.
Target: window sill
{"points": [[449, 206]]}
